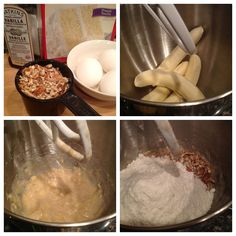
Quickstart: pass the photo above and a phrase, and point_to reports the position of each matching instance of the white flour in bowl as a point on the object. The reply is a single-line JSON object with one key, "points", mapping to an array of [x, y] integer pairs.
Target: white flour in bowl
{"points": [[151, 195]]}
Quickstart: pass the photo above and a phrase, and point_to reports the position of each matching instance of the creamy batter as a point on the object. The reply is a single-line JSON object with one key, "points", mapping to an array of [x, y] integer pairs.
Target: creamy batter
{"points": [[59, 195]]}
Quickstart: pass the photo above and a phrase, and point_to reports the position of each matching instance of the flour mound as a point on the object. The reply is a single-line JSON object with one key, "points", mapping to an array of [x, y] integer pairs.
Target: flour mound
{"points": [[153, 195]]}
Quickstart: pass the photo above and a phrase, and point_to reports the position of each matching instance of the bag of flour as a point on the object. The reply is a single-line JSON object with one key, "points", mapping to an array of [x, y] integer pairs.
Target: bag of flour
{"points": [[65, 26]]}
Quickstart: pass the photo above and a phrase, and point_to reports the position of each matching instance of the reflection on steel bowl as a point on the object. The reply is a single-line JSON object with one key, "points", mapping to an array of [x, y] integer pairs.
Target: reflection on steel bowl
{"points": [[144, 45], [204, 137], [35, 162]]}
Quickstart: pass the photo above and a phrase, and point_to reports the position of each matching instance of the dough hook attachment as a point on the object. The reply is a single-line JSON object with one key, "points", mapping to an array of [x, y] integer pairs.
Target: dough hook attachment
{"points": [[171, 21]]}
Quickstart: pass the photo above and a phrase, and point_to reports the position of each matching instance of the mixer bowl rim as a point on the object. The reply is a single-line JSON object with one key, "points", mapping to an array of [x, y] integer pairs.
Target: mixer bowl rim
{"points": [[52, 224], [180, 225], [182, 104]]}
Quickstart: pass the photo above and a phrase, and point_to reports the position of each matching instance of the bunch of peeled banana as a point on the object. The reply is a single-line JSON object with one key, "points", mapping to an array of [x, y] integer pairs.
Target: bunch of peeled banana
{"points": [[174, 80]]}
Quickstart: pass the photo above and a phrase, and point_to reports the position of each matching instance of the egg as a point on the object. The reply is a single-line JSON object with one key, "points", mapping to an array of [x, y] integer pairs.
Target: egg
{"points": [[108, 60], [89, 72], [108, 83]]}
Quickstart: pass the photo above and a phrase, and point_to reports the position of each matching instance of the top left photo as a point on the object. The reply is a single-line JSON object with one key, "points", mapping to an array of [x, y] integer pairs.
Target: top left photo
{"points": [[60, 60]]}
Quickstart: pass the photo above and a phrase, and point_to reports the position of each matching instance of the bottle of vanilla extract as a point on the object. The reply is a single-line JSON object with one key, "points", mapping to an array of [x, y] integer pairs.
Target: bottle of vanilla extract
{"points": [[21, 33]]}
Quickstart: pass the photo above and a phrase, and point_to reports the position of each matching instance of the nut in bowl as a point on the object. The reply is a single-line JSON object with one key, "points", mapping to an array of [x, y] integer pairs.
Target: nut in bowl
{"points": [[43, 82], [146, 193], [46, 88], [93, 64]]}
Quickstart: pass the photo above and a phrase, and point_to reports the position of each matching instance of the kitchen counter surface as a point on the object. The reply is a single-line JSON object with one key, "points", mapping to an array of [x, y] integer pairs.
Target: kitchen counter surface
{"points": [[14, 106]]}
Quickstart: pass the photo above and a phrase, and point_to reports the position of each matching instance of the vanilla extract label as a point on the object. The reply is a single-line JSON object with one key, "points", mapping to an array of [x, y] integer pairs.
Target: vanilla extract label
{"points": [[17, 38], [17, 35], [13, 21]]}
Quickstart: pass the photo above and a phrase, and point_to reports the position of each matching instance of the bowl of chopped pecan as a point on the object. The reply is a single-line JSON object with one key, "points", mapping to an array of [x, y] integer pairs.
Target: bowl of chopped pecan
{"points": [[46, 88]]}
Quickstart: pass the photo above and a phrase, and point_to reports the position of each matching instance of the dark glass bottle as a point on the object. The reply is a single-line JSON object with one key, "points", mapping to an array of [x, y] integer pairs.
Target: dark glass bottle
{"points": [[21, 33]]}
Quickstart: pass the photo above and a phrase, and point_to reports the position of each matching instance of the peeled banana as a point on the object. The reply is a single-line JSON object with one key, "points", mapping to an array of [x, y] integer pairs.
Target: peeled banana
{"points": [[171, 62], [173, 81]]}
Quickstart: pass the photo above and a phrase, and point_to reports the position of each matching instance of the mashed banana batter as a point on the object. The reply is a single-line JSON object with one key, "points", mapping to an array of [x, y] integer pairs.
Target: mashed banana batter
{"points": [[59, 195]]}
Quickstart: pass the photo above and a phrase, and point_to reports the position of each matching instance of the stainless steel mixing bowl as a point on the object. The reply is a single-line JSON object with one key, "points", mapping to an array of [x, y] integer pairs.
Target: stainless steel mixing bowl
{"points": [[24, 141], [213, 139], [144, 45]]}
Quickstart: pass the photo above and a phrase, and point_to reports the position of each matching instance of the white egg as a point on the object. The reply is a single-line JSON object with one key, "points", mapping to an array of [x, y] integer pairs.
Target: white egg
{"points": [[108, 83], [108, 60], [89, 72]]}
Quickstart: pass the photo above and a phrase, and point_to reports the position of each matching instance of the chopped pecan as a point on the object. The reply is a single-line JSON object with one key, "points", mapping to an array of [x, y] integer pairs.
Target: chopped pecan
{"points": [[43, 82], [39, 90]]}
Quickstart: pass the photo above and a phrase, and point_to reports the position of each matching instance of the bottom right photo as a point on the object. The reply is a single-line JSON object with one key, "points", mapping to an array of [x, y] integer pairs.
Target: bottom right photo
{"points": [[176, 175]]}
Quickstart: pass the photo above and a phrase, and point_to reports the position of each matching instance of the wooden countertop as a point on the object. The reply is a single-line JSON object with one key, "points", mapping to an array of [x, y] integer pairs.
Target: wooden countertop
{"points": [[14, 106]]}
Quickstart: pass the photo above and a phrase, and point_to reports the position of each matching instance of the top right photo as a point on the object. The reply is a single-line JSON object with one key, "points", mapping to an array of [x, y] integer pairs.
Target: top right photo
{"points": [[176, 60]]}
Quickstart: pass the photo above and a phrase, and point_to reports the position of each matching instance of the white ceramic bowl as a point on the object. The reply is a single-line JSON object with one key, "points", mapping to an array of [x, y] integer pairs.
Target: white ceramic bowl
{"points": [[86, 49]]}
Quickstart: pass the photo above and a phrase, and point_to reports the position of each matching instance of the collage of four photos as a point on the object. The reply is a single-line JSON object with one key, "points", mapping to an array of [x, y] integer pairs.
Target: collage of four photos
{"points": [[117, 117]]}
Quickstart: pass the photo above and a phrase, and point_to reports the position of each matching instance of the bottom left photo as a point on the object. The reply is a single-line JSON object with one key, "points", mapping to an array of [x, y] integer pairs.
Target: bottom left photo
{"points": [[59, 175]]}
